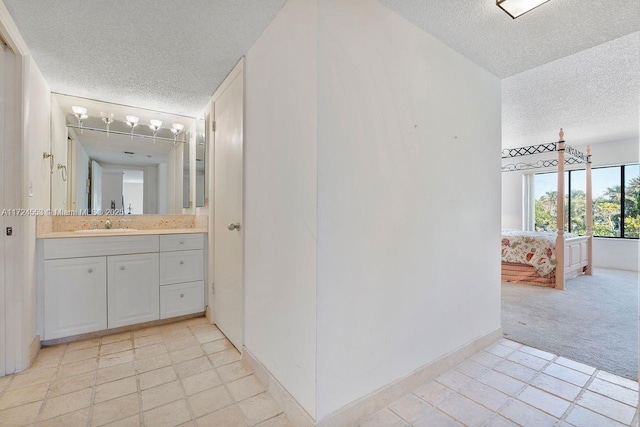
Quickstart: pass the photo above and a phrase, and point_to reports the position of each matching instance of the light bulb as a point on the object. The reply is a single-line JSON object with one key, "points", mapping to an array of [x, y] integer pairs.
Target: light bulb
{"points": [[155, 124], [132, 120], [178, 126], [79, 111]]}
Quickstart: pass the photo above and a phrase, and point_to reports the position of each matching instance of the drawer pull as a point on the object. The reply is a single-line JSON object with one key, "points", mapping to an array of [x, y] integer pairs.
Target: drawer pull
{"points": [[122, 267], [181, 262], [181, 295], [90, 270]]}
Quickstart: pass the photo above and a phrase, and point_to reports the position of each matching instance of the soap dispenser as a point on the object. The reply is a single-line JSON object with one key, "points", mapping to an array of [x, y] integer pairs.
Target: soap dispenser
{"points": [[107, 224]]}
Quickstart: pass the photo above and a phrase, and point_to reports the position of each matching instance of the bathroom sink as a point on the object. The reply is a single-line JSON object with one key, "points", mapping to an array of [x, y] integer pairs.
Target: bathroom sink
{"points": [[108, 230]]}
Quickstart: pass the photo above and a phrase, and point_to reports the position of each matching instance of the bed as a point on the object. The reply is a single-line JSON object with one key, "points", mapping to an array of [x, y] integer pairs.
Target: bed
{"points": [[531, 257]]}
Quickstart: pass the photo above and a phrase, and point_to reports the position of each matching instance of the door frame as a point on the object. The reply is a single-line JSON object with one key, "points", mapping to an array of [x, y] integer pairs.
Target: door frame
{"points": [[17, 354], [238, 69]]}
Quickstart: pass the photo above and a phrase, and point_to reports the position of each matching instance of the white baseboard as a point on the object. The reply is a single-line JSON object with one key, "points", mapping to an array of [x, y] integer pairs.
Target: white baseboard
{"points": [[34, 349], [363, 408]]}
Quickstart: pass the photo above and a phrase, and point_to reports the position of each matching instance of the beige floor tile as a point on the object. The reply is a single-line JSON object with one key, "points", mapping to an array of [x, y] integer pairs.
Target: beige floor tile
{"points": [[555, 386], [115, 409], [153, 362], [515, 370], [47, 360], [202, 328], [501, 382], [453, 379], [76, 356], [210, 336], [180, 343], [245, 387], [259, 408], [528, 360], [537, 353], [544, 401], [23, 396], [484, 395], [32, 377], [148, 340], [77, 368], [185, 354], [132, 421], [410, 408], [471, 368], [193, 367], [434, 418], [209, 401], [197, 321], [84, 344], [433, 392], [624, 382], [150, 351], [177, 334], [170, 415], [607, 407], [580, 416], [576, 366], [225, 357], [200, 382], [69, 385], [499, 350], [464, 410], [526, 415], [157, 377], [78, 418], [567, 374], [613, 391], [486, 359], [20, 415], [116, 347], [501, 422], [115, 359], [511, 344], [153, 330], [230, 416], [115, 389], [233, 371], [279, 421], [384, 418], [160, 395], [65, 404], [116, 372], [4, 381], [217, 346], [109, 339]]}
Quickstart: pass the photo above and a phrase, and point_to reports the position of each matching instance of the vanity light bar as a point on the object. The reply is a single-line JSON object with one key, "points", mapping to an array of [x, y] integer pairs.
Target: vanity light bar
{"points": [[516, 8]]}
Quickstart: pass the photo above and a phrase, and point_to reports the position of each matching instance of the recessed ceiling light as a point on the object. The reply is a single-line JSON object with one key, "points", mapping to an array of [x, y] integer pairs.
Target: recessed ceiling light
{"points": [[515, 8]]}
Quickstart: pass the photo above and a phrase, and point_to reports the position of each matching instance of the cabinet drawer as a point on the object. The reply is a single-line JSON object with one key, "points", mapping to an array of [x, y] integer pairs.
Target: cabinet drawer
{"points": [[99, 246], [181, 242], [183, 298], [181, 266]]}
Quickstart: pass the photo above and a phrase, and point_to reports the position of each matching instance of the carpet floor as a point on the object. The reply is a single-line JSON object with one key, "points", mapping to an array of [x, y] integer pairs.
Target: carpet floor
{"points": [[593, 321]]}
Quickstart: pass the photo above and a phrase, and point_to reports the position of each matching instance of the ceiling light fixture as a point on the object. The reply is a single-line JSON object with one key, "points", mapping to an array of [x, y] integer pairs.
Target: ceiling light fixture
{"points": [[176, 128], [132, 121], [515, 8], [154, 126], [81, 114], [107, 118]]}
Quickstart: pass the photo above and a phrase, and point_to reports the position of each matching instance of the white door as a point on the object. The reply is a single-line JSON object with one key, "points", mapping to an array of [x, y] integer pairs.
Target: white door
{"points": [[228, 296], [133, 289], [75, 296], [96, 186], [2, 207]]}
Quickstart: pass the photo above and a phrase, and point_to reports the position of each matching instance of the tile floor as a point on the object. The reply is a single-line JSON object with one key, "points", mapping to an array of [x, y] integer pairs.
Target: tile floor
{"points": [[185, 373], [509, 384]]}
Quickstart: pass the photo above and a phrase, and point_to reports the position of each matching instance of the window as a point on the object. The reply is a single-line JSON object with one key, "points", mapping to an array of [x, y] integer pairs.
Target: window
{"points": [[616, 201]]}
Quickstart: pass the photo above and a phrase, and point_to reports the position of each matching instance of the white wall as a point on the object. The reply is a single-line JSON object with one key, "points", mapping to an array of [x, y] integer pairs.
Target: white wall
{"points": [[608, 253], [59, 135], [80, 168], [409, 132], [111, 189], [280, 200], [150, 205], [133, 194]]}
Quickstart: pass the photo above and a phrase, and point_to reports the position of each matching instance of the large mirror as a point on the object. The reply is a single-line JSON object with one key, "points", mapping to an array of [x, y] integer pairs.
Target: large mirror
{"points": [[114, 159], [202, 136]]}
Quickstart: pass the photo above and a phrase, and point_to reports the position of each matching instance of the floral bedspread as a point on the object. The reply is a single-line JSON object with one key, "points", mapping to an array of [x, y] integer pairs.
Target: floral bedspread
{"points": [[537, 249]]}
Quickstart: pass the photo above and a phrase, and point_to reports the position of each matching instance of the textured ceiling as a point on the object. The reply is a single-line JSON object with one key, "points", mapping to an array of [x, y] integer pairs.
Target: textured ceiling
{"points": [[158, 54], [594, 95], [485, 34]]}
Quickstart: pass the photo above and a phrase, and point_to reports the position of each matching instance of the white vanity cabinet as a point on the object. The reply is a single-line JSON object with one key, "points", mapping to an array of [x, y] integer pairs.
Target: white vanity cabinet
{"points": [[134, 289], [97, 283], [75, 296]]}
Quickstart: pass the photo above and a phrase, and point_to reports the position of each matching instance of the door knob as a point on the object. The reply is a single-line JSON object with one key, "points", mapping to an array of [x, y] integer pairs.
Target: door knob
{"points": [[233, 226], [122, 267]]}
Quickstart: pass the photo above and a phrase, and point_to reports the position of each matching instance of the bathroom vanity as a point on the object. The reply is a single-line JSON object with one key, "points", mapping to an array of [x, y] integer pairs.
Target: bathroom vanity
{"points": [[95, 281]]}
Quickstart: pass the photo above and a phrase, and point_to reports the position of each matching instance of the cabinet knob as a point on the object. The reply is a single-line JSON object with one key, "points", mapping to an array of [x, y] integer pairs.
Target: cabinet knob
{"points": [[181, 262], [181, 295], [182, 242], [90, 270], [122, 267]]}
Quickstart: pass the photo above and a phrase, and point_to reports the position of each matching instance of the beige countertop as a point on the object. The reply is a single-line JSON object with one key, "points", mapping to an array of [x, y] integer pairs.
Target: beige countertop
{"points": [[99, 233]]}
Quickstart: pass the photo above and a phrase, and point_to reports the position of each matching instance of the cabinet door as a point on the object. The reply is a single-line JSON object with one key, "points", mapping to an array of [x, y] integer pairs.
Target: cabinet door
{"points": [[75, 296], [134, 289]]}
